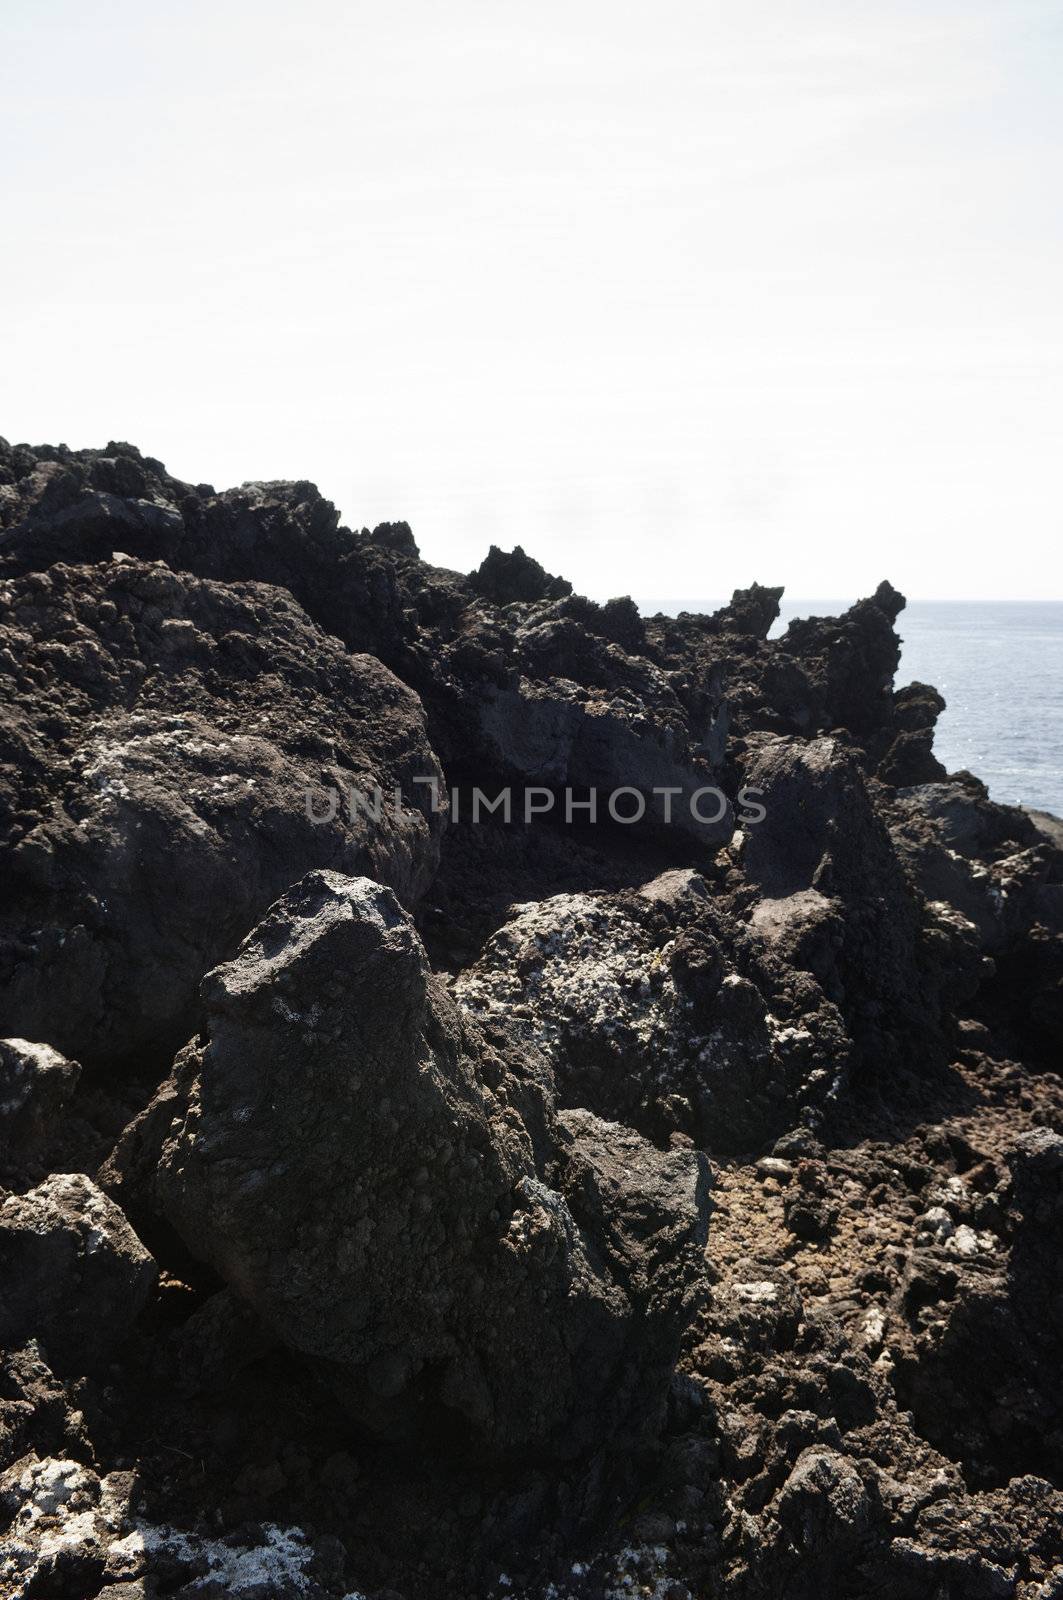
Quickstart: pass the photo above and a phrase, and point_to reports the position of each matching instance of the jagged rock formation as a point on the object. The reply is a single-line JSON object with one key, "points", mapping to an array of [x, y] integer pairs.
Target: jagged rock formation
{"points": [[996, 875], [159, 735], [539, 694], [834, 900], [823, 675], [658, 1010], [396, 1282], [393, 1194]]}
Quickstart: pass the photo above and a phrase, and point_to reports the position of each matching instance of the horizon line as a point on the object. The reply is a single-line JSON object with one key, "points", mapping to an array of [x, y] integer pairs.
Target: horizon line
{"points": [[820, 599]]}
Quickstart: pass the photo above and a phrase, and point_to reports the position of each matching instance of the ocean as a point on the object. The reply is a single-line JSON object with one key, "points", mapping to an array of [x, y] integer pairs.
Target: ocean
{"points": [[999, 664]]}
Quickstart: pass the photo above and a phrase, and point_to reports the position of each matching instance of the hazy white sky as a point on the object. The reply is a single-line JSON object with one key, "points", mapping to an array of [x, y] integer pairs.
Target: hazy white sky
{"points": [[678, 293]]}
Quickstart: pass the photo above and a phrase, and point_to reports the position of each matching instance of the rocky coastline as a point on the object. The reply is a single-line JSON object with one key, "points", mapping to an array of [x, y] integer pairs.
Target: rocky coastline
{"points": [[552, 1200]]}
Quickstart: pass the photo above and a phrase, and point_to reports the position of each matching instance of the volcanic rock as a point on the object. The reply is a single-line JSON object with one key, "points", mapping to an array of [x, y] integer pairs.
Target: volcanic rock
{"points": [[523, 692], [35, 1083], [836, 901], [389, 1191], [431, 1265], [72, 1271], [1002, 875], [161, 736], [503, 576], [71, 1530], [655, 1009]]}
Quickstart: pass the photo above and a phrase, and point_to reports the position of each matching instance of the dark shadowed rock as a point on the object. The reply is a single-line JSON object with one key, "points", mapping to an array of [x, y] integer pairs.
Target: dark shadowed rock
{"points": [[977, 1343], [822, 675], [73, 1274], [375, 1178], [397, 537], [751, 611], [515, 687], [1047, 825], [72, 1531], [35, 1084], [851, 661], [993, 867], [836, 901], [506, 575], [450, 1230]]}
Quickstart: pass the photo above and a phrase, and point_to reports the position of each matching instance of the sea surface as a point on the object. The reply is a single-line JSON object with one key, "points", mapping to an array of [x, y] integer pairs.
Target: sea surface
{"points": [[999, 665]]}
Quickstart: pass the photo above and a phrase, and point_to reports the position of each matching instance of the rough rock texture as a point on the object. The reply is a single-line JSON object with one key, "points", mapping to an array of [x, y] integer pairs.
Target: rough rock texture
{"points": [[73, 1272], [550, 689], [994, 869], [980, 1304], [428, 1312], [391, 1194], [69, 1530], [823, 675], [35, 1084], [157, 739], [834, 899], [656, 1009], [504, 575]]}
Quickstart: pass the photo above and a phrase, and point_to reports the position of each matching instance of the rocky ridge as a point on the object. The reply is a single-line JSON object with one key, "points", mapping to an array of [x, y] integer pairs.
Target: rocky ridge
{"points": [[401, 1205]]}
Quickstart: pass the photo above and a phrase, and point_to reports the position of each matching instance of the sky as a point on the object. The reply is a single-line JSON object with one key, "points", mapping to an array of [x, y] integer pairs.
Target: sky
{"points": [[677, 294]]}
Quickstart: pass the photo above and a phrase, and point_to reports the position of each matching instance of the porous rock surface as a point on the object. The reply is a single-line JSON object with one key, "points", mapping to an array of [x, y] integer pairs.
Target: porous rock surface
{"points": [[74, 1273], [159, 734], [390, 1193], [35, 1083], [67, 1526], [658, 1009], [365, 1256], [524, 680]]}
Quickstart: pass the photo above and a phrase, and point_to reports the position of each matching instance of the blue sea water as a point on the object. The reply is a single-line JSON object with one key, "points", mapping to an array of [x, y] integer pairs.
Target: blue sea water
{"points": [[999, 665]]}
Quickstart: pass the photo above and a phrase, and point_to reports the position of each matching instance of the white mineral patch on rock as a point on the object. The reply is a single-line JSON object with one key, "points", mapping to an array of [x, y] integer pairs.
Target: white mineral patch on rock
{"points": [[66, 1513], [762, 1293]]}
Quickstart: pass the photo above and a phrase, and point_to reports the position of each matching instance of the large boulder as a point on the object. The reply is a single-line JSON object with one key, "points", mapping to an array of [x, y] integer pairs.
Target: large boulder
{"points": [[833, 898], [35, 1084], [390, 1191], [1000, 870], [159, 738], [655, 1008], [73, 1274]]}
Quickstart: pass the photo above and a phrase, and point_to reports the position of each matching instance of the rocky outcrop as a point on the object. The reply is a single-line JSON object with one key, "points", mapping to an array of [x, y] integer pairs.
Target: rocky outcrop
{"points": [[533, 692], [823, 675], [160, 735], [656, 1009], [991, 869], [504, 575], [35, 1084], [390, 1191], [833, 898], [75, 1275], [396, 1282]]}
